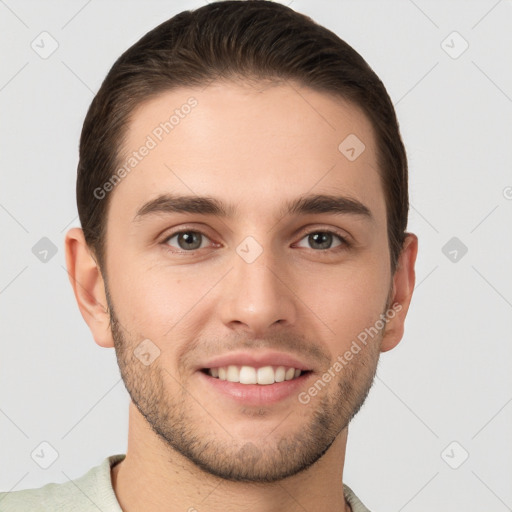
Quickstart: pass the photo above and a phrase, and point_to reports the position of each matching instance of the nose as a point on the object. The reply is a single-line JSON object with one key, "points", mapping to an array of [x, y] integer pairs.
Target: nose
{"points": [[257, 296]]}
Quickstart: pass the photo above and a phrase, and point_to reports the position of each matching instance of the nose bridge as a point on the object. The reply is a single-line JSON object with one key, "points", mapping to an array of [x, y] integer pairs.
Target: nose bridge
{"points": [[257, 295]]}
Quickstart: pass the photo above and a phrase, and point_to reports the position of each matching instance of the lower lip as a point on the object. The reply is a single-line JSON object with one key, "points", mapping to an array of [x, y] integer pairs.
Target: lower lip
{"points": [[257, 394]]}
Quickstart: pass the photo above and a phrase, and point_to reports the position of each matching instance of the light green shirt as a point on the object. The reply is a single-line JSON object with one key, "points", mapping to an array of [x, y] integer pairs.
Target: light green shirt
{"points": [[90, 493]]}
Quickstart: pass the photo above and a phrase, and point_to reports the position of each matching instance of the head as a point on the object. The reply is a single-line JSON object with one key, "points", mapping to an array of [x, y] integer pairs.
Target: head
{"points": [[242, 187]]}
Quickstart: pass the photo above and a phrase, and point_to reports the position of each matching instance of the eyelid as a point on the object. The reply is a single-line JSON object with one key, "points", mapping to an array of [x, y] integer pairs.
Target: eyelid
{"points": [[183, 229]]}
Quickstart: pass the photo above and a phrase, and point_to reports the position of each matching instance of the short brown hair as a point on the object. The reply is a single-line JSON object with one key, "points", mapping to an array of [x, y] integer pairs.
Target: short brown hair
{"points": [[248, 40]]}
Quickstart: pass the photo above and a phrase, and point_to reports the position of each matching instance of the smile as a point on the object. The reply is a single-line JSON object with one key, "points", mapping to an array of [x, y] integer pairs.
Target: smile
{"points": [[264, 375]]}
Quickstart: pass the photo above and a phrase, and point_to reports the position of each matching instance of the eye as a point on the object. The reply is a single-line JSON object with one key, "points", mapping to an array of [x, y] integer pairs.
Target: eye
{"points": [[323, 239], [187, 240]]}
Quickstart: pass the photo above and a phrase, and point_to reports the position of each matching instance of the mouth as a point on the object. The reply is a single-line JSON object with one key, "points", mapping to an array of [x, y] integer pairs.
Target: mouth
{"points": [[263, 375]]}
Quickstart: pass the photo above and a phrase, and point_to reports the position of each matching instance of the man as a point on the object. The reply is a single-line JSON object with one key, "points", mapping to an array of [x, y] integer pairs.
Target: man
{"points": [[242, 191]]}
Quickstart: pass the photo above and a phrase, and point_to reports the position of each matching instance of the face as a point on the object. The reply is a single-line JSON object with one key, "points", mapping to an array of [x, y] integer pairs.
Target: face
{"points": [[241, 281]]}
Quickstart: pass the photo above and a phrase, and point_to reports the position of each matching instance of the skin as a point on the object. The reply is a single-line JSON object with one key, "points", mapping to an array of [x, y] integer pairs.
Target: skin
{"points": [[255, 146]]}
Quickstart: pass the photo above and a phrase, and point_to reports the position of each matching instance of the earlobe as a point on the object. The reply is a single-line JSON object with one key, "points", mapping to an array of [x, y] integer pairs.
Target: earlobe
{"points": [[403, 287], [88, 286]]}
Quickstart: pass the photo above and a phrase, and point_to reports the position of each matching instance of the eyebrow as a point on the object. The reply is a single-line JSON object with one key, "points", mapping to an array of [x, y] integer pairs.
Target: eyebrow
{"points": [[303, 205]]}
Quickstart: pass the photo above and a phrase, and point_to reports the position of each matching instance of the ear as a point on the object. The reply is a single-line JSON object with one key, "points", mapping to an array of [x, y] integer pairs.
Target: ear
{"points": [[89, 288], [401, 294]]}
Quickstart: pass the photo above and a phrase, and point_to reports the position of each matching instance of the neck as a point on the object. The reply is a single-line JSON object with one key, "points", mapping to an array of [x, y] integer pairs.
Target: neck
{"points": [[155, 477]]}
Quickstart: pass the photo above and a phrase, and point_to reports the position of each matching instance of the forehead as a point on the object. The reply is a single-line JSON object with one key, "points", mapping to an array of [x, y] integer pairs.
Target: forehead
{"points": [[251, 144]]}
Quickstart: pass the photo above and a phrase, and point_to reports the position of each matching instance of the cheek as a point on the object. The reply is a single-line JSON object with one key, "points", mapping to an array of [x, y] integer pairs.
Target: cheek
{"points": [[348, 299], [155, 300]]}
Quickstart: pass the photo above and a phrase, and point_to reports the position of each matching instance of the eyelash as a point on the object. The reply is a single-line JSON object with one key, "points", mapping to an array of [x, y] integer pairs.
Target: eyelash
{"points": [[344, 245]]}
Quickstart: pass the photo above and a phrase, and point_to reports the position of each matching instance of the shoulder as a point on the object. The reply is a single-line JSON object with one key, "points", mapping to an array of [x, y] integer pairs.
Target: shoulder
{"points": [[44, 498], [83, 494], [355, 503]]}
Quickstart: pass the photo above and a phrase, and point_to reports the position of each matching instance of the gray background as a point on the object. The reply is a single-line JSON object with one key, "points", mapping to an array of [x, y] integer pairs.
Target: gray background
{"points": [[448, 381]]}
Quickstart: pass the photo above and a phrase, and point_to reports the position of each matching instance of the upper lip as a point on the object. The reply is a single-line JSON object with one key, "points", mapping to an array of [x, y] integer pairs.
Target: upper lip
{"points": [[257, 360]]}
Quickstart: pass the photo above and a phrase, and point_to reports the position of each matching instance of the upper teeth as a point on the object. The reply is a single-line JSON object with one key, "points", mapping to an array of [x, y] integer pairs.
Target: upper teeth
{"points": [[251, 375]]}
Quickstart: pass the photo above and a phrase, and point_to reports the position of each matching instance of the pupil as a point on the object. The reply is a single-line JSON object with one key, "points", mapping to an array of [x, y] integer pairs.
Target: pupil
{"points": [[318, 237], [189, 238]]}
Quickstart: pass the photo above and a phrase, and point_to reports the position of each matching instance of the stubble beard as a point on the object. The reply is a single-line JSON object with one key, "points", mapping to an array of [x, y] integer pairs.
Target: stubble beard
{"points": [[186, 426]]}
